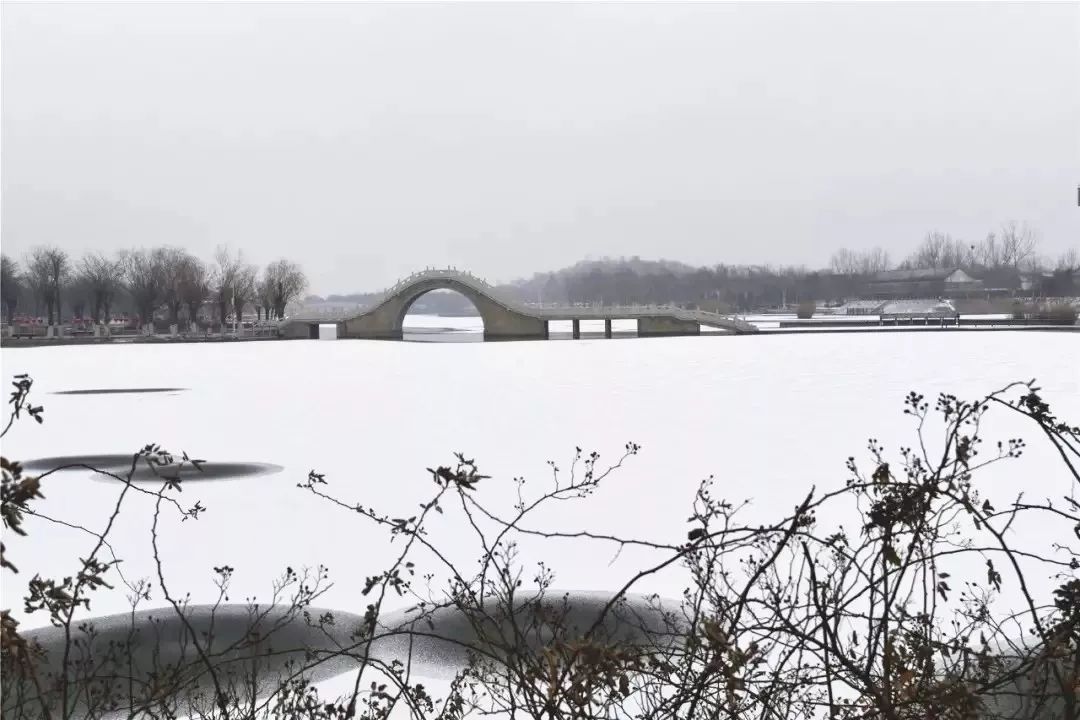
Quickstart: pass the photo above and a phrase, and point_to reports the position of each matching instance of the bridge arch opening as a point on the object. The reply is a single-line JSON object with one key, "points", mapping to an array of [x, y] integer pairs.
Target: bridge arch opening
{"points": [[442, 315]]}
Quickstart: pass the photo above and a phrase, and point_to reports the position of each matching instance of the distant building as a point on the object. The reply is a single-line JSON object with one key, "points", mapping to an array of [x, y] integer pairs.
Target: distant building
{"points": [[934, 308], [1000, 281], [1058, 283], [860, 307], [935, 283]]}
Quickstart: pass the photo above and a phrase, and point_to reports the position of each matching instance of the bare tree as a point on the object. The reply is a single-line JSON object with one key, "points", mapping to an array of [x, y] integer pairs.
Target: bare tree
{"points": [[845, 262], [988, 252], [47, 269], [1068, 260], [145, 280], [36, 277], [243, 290], [802, 617], [1014, 246], [1018, 243], [80, 296], [9, 286], [103, 277], [855, 262], [1036, 263], [59, 273], [930, 252], [223, 280], [285, 282], [194, 287], [264, 292], [173, 261], [875, 260], [941, 251]]}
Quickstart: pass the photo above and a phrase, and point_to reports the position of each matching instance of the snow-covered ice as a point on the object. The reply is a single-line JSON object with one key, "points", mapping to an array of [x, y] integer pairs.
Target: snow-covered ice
{"points": [[768, 416]]}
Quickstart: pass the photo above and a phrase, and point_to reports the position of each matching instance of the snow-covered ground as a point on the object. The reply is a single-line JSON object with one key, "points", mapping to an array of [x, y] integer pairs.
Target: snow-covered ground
{"points": [[768, 416]]}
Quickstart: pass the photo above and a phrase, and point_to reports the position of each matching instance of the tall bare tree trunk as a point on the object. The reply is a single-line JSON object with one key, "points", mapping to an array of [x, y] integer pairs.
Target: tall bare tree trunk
{"points": [[193, 316], [238, 318]]}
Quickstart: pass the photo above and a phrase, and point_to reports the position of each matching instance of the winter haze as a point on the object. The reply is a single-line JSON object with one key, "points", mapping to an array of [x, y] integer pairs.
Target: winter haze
{"points": [[370, 140]]}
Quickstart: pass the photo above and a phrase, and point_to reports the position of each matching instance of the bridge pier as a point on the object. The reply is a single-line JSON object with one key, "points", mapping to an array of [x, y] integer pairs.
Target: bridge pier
{"points": [[299, 330], [660, 326], [607, 328], [577, 329], [512, 326]]}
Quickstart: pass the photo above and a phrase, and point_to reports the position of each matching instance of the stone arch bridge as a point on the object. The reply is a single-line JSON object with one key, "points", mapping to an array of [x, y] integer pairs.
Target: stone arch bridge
{"points": [[504, 318]]}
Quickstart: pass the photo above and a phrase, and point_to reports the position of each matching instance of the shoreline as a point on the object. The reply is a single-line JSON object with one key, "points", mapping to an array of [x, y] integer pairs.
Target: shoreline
{"points": [[126, 340], [784, 329]]}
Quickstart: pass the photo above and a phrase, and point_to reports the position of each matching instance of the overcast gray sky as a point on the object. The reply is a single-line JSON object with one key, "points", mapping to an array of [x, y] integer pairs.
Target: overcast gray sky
{"points": [[370, 140]]}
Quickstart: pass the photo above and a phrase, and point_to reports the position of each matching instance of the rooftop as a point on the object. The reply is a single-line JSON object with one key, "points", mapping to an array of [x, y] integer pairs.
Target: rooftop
{"points": [[920, 274]]}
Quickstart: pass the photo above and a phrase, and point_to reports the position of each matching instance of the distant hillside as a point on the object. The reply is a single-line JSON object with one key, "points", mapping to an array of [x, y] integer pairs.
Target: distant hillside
{"points": [[635, 280], [634, 264], [609, 280], [568, 284], [438, 302], [523, 287]]}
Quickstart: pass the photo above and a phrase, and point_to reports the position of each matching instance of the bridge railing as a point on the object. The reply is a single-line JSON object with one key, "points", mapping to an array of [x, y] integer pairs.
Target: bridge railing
{"points": [[463, 276]]}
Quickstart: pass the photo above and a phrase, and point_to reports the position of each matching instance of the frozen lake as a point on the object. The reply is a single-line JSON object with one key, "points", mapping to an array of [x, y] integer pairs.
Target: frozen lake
{"points": [[768, 416]]}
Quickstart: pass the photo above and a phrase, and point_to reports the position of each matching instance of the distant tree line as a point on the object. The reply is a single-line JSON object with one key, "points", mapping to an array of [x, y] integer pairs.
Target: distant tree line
{"points": [[1000, 259], [1014, 246], [147, 283]]}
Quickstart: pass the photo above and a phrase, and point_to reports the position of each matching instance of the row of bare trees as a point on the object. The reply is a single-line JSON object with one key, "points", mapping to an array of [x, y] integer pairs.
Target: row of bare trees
{"points": [[149, 281], [1013, 247], [859, 262]]}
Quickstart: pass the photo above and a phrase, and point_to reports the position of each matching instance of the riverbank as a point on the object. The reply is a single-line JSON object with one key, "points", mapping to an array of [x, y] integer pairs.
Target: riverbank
{"points": [[783, 328], [23, 342], [924, 321]]}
